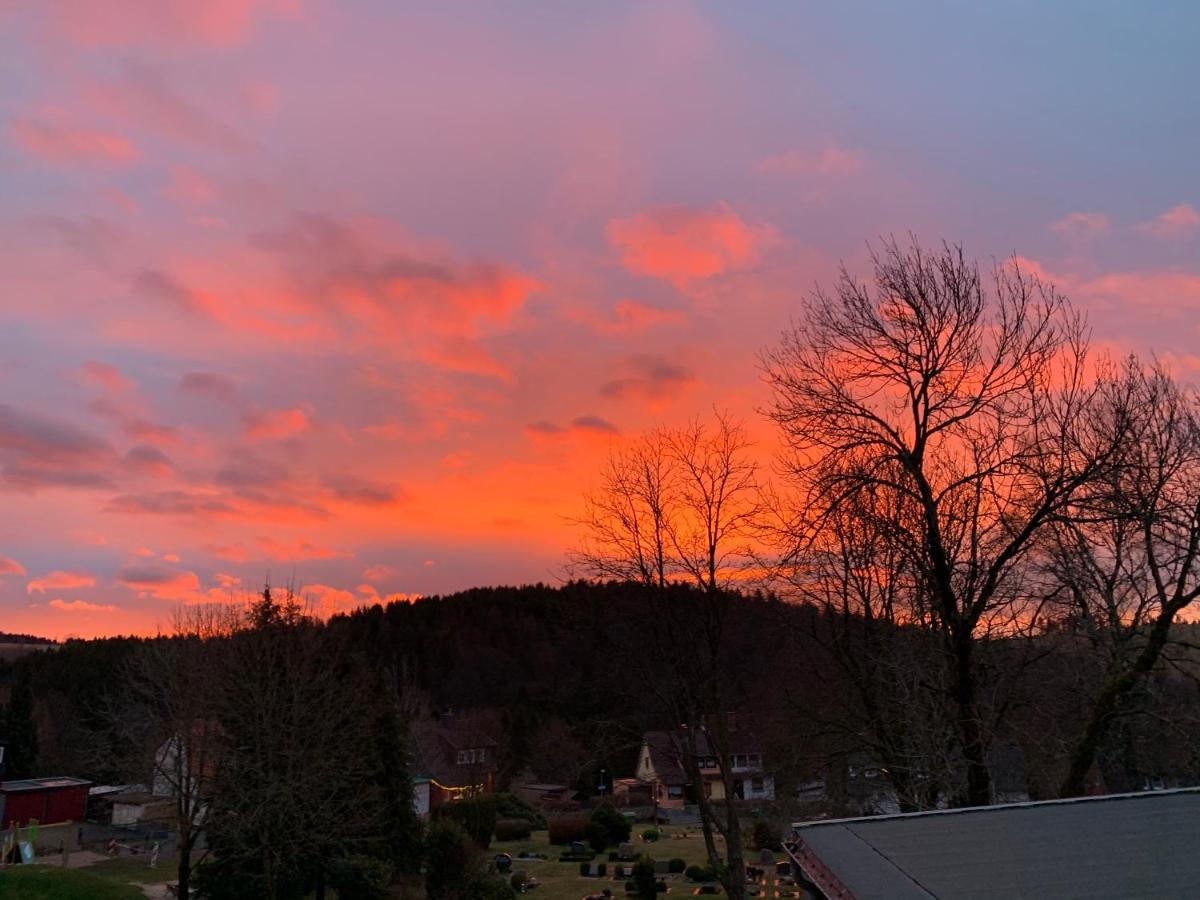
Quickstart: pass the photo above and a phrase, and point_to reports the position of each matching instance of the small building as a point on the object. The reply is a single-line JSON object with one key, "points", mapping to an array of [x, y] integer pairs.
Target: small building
{"points": [[542, 796], [141, 806], [50, 801], [661, 765], [1103, 848], [455, 757], [421, 795]]}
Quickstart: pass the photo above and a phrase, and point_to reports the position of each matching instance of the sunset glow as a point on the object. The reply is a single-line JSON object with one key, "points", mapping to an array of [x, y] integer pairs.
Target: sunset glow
{"points": [[357, 297]]}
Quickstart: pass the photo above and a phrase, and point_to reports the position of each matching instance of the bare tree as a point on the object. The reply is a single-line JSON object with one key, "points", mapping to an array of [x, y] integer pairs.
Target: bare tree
{"points": [[1127, 553], [164, 719], [959, 394], [856, 566], [676, 504]]}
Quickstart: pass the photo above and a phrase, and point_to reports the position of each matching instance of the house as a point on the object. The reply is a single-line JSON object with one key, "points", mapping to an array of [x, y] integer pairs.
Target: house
{"points": [[456, 757], [1122, 845], [50, 801], [661, 764]]}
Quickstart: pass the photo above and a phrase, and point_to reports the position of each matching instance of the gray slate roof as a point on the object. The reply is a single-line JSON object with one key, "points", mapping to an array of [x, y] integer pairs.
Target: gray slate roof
{"points": [[1121, 846]]}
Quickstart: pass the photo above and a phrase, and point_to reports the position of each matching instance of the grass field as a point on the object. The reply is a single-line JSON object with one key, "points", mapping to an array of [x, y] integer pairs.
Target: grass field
{"points": [[49, 883], [562, 881]]}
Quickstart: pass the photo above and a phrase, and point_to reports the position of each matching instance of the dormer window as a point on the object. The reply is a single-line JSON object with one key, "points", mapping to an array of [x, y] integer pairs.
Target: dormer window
{"points": [[474, 755]]}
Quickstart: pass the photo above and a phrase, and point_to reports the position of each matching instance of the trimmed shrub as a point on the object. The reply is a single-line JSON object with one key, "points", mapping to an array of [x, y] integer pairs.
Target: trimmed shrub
{"points": [[585, 868], [700, 874], [567, 829], [677, 865], [517, 881], [360, 878], [513, 829], [607, 826], [644, 881], [597, 835], [650, 835]]}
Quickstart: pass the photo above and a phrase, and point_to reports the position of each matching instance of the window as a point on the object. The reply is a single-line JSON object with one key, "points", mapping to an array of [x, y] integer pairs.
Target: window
{"points": [[756, 785], [462, 757], [675, 790], [482, 755]]}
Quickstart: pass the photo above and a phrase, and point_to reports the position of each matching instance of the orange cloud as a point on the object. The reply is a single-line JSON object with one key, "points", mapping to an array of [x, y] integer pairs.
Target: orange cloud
{"points": [[10, 567], [682, 245], [80, 606], [62, 145], [160, 582], [1178, 221], [60, 581], [105, 376]]}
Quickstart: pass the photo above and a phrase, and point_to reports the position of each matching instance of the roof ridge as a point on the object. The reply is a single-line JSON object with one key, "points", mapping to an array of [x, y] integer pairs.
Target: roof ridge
{"points": [[997, 807]]}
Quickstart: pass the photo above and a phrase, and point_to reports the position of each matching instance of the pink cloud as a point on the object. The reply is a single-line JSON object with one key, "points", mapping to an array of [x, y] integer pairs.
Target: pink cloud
{"points": [[1178, 221], [630, 317], [80, 606], [329, 600], [270, 425], [653, 381], [105, 376], [831, 160], [188, 187], [62, 145], [60, 581], [682, 245], [169, 23], [1081, 224], [10, 567]]}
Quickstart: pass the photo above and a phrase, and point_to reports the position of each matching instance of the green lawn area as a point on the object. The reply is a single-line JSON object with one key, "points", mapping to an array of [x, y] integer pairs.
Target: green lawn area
{"points": [[136, 868], [50, 883], [562, 881]]}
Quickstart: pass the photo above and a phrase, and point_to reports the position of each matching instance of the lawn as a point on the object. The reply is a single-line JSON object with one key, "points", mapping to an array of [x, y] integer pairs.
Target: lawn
{"points": [[136, 868], [49, 883], [562, 881]]}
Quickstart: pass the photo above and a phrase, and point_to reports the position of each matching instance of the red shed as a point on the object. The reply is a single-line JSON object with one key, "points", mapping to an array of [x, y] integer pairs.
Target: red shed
{"points": [[49, 800]]}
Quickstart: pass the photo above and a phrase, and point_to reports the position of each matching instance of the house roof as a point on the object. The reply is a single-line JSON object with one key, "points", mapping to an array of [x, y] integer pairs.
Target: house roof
{"points": [[666, 751], [43, 784], [435, 746], [1100, 847]]}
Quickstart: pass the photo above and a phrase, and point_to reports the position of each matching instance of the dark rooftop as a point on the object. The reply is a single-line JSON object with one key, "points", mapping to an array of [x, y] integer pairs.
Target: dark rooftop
{"points": [[1119, 846], [42, 784]]}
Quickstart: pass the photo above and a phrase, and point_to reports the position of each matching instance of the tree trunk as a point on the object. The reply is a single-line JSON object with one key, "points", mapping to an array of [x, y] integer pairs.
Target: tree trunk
{"points": [[974, 747], [1118, 687], [184, 870]]}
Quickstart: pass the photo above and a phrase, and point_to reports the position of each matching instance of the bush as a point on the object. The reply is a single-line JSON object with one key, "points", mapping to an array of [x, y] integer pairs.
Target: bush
{"points": [[597, 835], [585, 868], [677, 865], [700, 874], [360, 878], [517, 881], [766, 836], [451, 860], [483, 888], [512, 829], [510, 806], [567, 829], [650, 835], [607, 827], [643, 879], [476, 815]]}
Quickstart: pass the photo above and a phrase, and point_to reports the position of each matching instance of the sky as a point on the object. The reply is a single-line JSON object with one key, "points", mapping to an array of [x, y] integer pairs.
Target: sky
{"points": [[356, 296]]}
